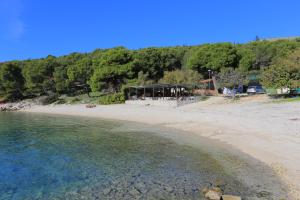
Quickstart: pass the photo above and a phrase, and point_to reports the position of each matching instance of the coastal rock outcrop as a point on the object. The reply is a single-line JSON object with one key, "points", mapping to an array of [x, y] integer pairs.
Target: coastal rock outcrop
{"points": [[14, 106]]}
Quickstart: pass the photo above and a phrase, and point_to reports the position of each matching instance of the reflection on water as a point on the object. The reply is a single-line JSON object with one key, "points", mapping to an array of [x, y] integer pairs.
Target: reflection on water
{"points": [[47, 157]]}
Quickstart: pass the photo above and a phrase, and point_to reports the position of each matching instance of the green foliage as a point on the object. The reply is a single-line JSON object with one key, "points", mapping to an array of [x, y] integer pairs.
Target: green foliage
{"points": [[46, 99], [38, 76], [268, 52], [113, 66], [115, 56], [143, 79], [11, 81], [275, 77], [60, 78], [247, 59], [80, 71], [287, 100], [230, 78], [253, 76], [148, 61], [83, 98], [109, 78], [284, 73], [111, 70], [95, 94], [116, 98], [181, 77], [171, 58], [214, 57], [154, 61]]}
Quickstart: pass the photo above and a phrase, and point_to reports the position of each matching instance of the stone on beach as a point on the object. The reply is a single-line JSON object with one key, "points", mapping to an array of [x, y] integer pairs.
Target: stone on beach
{"points": [[230, 197], [14, 106], [212, 194]]}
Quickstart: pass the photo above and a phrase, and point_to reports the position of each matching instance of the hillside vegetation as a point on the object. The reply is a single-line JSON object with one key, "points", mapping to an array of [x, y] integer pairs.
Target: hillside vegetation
{"points": [[109, 71]]}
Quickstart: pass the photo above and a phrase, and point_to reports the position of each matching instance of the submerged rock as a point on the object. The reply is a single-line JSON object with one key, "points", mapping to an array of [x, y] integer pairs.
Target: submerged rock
{"points": [[169, 189], [141, 187], [106, 191], [134, 192]]}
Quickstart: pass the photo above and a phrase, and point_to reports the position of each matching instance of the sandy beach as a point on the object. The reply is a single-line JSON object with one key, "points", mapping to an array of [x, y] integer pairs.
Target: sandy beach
{"points": [[265, 130]]}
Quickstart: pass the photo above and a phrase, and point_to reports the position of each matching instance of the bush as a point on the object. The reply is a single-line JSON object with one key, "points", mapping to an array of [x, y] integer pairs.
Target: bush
{"points": [[284, 73], [60, 101], [116, 98], [45, 100], [229, 77], [181, 77], [95, 94], [74, 100]]}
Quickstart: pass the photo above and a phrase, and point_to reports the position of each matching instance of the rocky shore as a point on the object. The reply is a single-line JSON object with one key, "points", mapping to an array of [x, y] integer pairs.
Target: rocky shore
{"points": [[7, 107]]}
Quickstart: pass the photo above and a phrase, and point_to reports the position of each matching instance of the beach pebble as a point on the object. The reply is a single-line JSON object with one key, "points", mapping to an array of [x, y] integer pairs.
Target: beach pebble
{"points": [[230, 197], [212, 195]]}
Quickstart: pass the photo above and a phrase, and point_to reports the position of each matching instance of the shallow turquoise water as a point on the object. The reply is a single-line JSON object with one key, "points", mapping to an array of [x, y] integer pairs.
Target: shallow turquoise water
{"points": [[49, 157]]}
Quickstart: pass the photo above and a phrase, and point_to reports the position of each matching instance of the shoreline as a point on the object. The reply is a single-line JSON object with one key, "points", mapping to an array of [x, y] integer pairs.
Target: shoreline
{"points": [[259, 129]]}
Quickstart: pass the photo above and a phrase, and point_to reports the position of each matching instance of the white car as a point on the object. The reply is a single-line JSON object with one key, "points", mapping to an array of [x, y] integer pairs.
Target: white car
{"points": [[256, 89]]}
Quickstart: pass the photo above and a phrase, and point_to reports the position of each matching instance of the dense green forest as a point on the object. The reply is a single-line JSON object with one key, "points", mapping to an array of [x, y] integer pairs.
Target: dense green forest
{"points": [[110, 71]]}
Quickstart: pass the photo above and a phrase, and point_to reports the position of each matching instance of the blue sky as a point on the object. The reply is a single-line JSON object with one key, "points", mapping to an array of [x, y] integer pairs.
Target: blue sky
{"points": [[37, 28]]}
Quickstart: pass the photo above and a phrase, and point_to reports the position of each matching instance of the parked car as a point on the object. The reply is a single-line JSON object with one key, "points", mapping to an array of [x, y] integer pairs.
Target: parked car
{"points": [[255, 89], [296, 91]]}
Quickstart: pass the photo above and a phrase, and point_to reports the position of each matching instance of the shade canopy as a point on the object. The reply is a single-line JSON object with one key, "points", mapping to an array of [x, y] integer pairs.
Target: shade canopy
{"points": [[155, 86]]}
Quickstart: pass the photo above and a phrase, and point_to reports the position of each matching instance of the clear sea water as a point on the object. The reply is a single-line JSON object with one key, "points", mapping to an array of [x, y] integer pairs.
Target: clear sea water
{"points": [[55, 157]]}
